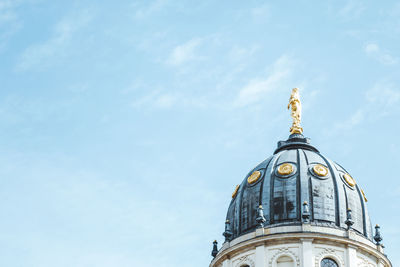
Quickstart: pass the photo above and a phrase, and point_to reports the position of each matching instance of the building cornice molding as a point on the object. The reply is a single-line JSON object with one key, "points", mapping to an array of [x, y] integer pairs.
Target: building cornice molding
{"points": [[250, 241]]}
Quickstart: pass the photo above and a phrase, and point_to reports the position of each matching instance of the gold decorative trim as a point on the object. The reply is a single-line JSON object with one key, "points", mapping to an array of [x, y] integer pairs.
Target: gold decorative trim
{"points": [[285, 169], [349, 180], [295, 105], [235, 191], [320, 170], [365, 198], [254, 177]]}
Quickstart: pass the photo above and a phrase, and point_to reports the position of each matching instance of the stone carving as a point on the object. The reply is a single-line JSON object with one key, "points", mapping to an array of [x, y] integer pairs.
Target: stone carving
{"points": [[284, 252], [245, 260], [331, 253], [362, 262]]}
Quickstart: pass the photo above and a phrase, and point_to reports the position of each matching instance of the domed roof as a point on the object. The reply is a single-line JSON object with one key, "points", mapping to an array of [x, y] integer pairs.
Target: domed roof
{"points": [[297, 184]]}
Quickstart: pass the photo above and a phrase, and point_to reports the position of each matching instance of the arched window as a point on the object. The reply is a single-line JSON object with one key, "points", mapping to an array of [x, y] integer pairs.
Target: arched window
{"points": [[328, 262], [285, 261]]}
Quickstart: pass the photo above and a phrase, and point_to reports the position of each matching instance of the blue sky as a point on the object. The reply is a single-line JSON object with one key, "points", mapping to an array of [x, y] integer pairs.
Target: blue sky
{"points": [[125, 126]]}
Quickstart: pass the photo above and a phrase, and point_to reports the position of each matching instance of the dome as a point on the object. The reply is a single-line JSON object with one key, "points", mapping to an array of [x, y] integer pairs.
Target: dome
{"points": [[297, 184], [298, 208]]}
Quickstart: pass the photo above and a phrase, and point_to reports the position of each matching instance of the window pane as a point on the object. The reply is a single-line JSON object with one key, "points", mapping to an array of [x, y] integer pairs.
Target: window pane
{"points": [[327, 262]]}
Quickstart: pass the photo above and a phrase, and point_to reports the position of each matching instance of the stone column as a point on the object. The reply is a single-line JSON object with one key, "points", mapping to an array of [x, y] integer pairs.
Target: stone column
{"points": [[306, 252], [260, 256], [227, 263], [381, 263]]}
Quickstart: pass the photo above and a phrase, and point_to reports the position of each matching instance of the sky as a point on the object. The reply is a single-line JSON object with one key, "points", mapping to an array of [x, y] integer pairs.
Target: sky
{"points": [[125, 125]]}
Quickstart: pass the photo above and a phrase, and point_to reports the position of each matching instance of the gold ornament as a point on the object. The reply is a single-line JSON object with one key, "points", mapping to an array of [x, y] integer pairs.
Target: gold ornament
{"points": [[295, 103], [235, 191], [320, 170], [285, 169], [349, 180], [254, 177], [365, 198]]}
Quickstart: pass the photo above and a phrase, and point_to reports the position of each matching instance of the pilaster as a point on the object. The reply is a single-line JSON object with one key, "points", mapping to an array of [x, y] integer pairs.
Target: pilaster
{"points": [[260, 256], [351, 256], [307, 252]]}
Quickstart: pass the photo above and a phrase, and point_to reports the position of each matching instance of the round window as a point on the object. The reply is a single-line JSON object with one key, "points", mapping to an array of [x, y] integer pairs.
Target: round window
{"points": [[327, 262]]}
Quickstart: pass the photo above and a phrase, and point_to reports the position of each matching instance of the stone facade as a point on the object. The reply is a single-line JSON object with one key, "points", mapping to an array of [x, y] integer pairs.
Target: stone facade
{"points": [[300, 246]]}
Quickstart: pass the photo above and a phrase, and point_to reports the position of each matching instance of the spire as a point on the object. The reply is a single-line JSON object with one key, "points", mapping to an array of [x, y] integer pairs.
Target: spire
{"points": [[295, 104], [214, 251], [349, 221], [228, 233], [378, 236], [260, 217], [306, 212]]}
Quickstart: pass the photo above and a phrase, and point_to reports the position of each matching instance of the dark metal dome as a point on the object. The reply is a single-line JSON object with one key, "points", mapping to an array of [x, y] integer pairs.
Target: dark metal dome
{"points": [[295, 184]]}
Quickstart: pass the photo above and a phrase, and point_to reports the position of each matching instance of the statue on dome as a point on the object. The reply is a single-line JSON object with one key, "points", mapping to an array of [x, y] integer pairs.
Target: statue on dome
{"points": [[295, 103]]}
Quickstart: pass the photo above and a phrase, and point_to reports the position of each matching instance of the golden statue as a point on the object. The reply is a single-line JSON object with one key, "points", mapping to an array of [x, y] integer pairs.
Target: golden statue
{"points": [[295, 103]]}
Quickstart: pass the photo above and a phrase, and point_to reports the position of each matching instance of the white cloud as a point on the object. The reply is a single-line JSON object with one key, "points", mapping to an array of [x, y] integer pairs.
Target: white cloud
{"points": [[82, 197], [384, 96], [352, 9], [7, 12], [166, 100], [145, 100], [184, 52], [380, 101], [373, 50], [241, 53], [355, 119], [256, 89], [9, 20], [38, 55], [260, 12], [151, 8]]}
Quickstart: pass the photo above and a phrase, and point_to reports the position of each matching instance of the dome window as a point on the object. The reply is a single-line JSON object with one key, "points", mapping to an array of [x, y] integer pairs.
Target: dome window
{"points": [[328, 262]]}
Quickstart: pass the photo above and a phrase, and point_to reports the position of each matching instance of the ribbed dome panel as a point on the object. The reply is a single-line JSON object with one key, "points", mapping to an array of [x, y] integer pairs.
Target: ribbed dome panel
{"points": [[282, 195]]}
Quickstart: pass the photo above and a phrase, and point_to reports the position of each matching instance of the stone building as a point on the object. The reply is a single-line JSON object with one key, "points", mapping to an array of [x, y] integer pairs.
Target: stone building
{"points": [[299, 208]]}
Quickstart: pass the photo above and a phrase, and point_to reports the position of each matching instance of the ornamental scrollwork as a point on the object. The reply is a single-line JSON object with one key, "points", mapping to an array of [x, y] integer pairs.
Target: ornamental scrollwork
{"points": [[362, 262], [284, 252], [245, 260]]}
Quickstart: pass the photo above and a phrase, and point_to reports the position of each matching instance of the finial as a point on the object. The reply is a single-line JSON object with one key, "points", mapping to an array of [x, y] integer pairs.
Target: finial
{"points": [[306, 212], [377, 236], [349, 221], [214, 251], [260, 217], [295, 103], [228, 232]]}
